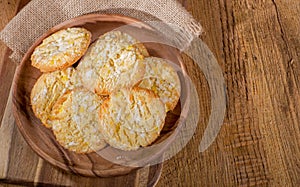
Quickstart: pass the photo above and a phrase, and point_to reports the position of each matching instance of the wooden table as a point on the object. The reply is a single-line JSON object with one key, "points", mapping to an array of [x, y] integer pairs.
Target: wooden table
{"points": [[257, 44]]}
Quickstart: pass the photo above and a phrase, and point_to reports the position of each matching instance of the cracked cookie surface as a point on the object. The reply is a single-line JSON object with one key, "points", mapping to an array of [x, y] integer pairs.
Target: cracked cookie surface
{"points": [[61, 49], [75, 121], [131, 118], [47, 89], [162, 79], [112, 62]]}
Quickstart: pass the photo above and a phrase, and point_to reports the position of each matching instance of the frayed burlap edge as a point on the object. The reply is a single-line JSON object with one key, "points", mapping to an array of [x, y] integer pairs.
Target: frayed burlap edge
{"points": [[41, 15]]}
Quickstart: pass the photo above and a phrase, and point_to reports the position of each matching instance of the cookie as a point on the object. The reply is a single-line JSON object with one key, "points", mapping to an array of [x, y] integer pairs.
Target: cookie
{"points": [[75, 121], [47, 89], [162, 79], [61, 49], [131, 118], [114, 61]]}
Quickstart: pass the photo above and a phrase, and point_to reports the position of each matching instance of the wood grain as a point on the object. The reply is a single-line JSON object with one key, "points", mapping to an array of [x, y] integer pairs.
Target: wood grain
{"points": [[257, 44], [102, 163], [21, 166]]}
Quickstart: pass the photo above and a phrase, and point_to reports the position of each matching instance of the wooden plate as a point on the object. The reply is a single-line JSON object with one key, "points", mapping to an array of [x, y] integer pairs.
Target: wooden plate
{"points": [[42, 140]]}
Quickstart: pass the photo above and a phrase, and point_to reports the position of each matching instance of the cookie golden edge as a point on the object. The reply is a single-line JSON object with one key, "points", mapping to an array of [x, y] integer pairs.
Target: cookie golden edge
{"points": [[97, 85], [40, 85], [140, 52], [176, 90], [154, 134], [46, 68], [82, 148], [33, 93]]}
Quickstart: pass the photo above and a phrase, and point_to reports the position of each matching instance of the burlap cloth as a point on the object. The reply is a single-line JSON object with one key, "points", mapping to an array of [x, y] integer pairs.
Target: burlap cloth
{"points": [[41, 15]]}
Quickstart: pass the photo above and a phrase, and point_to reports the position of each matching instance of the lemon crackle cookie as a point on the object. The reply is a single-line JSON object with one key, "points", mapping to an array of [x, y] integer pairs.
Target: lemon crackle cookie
{"points": [[61, 49], [47, 89], [131, 118], [162, 79], [112, 62], [75, 121]]}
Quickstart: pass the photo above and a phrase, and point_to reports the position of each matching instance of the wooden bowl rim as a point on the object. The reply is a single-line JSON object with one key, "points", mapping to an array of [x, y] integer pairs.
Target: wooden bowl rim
{"points": [[33, 145]]}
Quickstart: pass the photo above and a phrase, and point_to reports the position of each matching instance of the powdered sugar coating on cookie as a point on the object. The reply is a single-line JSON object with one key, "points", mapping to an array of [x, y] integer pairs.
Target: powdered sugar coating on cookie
{"points": [[75, 121], [114, 61], [131, 118], [61, 49], [47, 89], [162, 79]]}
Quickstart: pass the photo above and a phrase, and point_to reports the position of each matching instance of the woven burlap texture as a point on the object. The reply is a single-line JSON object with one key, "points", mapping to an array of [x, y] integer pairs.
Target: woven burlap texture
{"points": [[41, 15]]}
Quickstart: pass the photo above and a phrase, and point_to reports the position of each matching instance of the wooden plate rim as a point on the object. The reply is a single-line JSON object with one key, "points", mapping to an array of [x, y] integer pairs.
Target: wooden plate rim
{"points": [[42, 154]]}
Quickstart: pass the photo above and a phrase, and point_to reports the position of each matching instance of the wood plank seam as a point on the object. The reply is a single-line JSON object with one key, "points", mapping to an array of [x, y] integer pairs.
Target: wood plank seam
{"points": [[6, 130]]}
